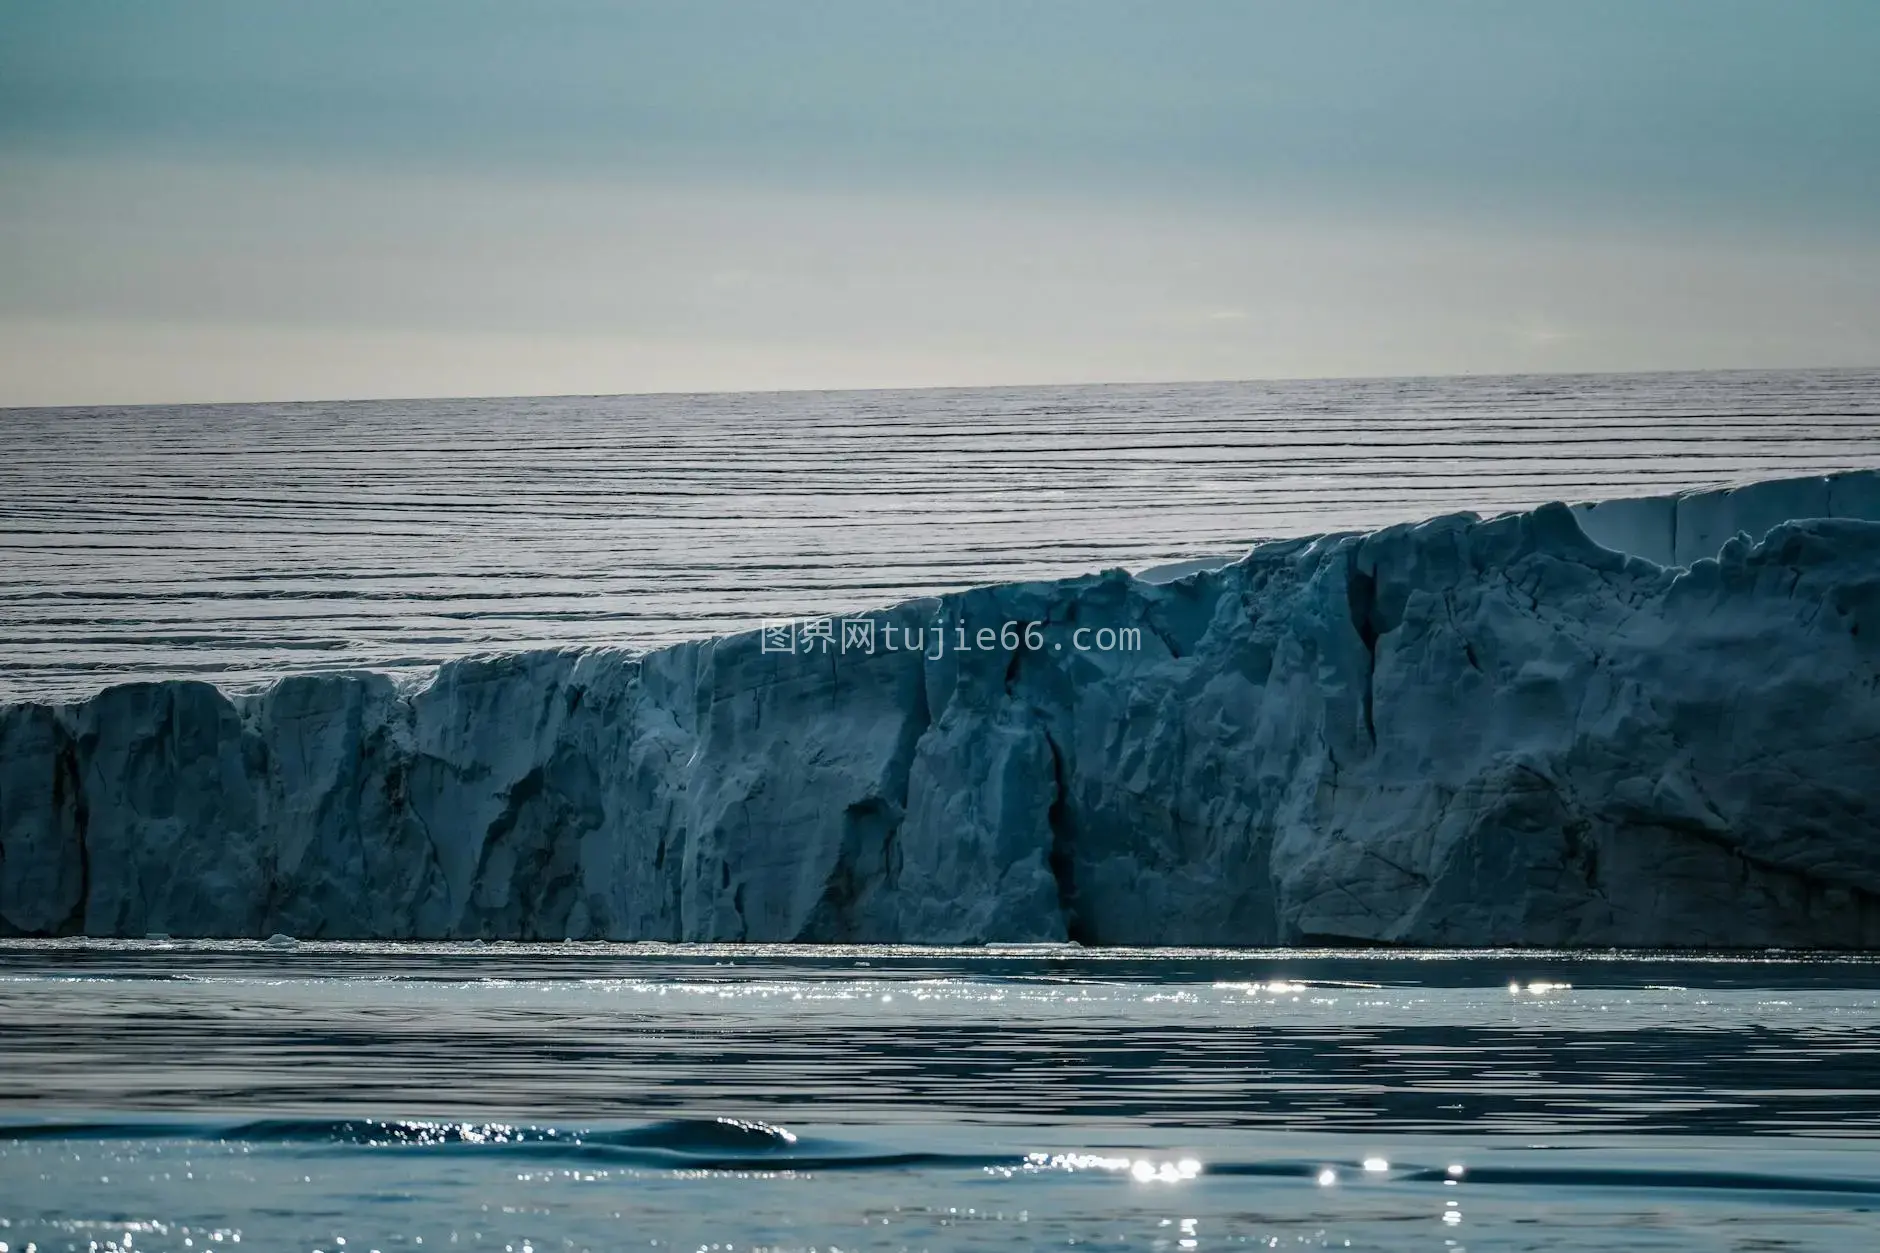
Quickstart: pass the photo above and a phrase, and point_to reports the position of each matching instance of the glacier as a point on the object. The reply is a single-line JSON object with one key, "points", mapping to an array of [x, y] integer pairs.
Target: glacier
{"points": [[1650, 722]]}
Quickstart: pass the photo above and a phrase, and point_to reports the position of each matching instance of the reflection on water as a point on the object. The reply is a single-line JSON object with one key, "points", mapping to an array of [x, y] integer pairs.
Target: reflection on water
{"points": [[184, 1095], [1506, 1043]]}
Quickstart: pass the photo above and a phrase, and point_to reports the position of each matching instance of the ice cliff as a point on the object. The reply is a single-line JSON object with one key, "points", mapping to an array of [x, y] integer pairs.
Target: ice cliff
{"points": [[1462, 732]]}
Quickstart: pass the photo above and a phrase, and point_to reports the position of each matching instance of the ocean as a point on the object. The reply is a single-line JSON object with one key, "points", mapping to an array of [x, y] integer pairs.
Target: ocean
{"points": [[238, 543], [358, 1098], [184, 1096]]}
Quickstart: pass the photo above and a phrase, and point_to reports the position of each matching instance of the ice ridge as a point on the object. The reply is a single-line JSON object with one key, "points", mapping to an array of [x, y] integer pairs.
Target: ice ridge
{"points": [[1647, 722]]}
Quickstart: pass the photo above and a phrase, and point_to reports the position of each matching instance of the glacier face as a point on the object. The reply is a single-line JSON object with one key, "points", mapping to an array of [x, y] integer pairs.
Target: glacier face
{"points": [[1459, 732]]}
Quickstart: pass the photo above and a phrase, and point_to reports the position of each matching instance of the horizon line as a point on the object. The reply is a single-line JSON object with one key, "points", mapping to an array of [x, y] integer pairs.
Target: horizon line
{"points": [[1873, 367]]}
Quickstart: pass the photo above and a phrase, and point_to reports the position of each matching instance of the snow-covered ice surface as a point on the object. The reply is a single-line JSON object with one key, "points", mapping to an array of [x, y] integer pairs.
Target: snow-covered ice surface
{"points": [[238, 543], [1459, 732]]}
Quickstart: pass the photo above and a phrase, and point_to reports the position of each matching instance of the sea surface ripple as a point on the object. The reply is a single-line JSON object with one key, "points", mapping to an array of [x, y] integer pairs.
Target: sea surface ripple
{"points": [[239, 543], [334, 1096]]}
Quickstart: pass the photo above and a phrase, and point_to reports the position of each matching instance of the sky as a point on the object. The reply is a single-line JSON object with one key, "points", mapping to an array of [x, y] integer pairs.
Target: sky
{"points": [[250, 200]]}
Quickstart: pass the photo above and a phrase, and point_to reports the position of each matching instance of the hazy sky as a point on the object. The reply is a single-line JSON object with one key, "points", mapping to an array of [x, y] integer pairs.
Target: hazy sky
{"points": [[256, 200]]}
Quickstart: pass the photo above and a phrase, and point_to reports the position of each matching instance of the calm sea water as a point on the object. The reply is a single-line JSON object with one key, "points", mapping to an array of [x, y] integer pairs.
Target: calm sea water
{"points": [[240, 542], [158, 1096]]}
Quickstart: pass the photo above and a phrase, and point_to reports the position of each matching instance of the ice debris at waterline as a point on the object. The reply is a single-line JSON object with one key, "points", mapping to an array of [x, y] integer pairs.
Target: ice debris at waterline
{"points": [[1460, 732]]}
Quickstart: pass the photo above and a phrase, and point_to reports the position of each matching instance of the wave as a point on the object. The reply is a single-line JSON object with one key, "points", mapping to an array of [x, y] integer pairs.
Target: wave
{"points": [[741, 1145], [692, 1143]]}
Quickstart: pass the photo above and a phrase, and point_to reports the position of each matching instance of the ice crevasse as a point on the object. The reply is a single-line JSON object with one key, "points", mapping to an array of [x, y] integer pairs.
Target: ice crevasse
{"points": [[1643, 722]]}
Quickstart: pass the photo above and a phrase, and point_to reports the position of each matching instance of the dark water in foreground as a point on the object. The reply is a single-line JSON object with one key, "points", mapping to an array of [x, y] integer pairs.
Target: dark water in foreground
{"points": [[518, 1097]]}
